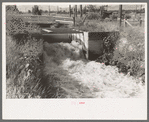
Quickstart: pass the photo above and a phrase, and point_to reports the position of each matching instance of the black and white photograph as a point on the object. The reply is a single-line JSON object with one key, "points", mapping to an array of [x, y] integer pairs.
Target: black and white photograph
{"points": [[74, 51]]}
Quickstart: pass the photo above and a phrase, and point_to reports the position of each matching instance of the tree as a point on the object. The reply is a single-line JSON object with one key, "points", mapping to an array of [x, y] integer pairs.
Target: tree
{"points": [[91, 8], [29, 11], [84, 10], [46, 11], [12, 9], [35, 10], [40, 11]]}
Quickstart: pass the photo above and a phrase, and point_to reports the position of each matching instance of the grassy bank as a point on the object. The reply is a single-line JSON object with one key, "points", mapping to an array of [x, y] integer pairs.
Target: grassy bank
{"points": [[24, 48], [127, 53], [64, 73], [23, 67]]}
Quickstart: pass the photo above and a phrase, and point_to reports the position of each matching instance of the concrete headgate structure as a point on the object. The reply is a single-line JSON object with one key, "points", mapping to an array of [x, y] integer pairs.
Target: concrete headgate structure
{"points": [[92, 41]]}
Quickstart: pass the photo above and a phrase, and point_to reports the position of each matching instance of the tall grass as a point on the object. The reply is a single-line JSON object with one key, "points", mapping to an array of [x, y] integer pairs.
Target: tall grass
{"points": [[23, 60], [129, 52], [98, 26], [24, 68], [65, 72], [129, 57], [19, 24]]}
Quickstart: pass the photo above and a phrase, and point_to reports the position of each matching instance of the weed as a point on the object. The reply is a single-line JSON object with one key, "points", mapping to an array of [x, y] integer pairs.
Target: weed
{"points": [[127, 53], [93, 16]]}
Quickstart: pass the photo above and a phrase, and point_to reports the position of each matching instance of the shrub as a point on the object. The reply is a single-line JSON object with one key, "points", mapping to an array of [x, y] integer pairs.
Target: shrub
{"points": [[109, 47], [99, 26], [24, 48], [127, 16], [133, 51], [24, 61], [128, 54], [12, 9], [36, 11], [23, 68], [88, 26], [113, 17], [91, 8], [29, 11], [107, 19], [16, 25], [92, 15]]}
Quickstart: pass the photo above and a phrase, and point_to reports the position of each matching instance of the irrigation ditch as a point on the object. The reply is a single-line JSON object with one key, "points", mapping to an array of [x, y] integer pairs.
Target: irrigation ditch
{"points": [[69, 67]]}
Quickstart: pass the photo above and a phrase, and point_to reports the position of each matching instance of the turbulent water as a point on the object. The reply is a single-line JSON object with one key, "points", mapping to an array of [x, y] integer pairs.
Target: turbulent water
{"points": [[77, 77]]}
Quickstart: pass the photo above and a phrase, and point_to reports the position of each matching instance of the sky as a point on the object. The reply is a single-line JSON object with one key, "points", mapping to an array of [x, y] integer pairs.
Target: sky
{"points": [[25, 8]]}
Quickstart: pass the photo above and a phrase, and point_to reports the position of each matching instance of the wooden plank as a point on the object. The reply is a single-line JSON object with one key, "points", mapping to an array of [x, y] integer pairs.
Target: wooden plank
{"points": [[62, 21], [62, 30], [128, 23], [47, 30], [62, 17], [40, 22]]}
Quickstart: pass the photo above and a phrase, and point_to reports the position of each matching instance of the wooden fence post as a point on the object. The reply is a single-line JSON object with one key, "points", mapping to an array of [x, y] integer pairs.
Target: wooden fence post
{"points": [[85, 10], [120, 15], [49, 10], [38, 18], [70, 10], [124, 23], [81, 10], [76, 10], [74, 18], [74, 21], [140, 22]]}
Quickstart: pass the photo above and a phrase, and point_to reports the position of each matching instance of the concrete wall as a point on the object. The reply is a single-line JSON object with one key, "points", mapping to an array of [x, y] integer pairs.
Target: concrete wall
{"points": [[92, 42]]}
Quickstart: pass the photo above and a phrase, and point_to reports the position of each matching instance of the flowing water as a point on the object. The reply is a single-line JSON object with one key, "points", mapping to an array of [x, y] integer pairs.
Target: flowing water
{"points": [[77, 77]]}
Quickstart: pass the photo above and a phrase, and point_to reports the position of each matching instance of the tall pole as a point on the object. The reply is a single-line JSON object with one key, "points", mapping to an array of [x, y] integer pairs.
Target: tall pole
{"points": [[136, 12], [81, 10], [140, 9], [49, 10], [85, 9], [74, 17], [57, 10], [101, 11], [120, 15], [70, 10], [76, 10]]}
